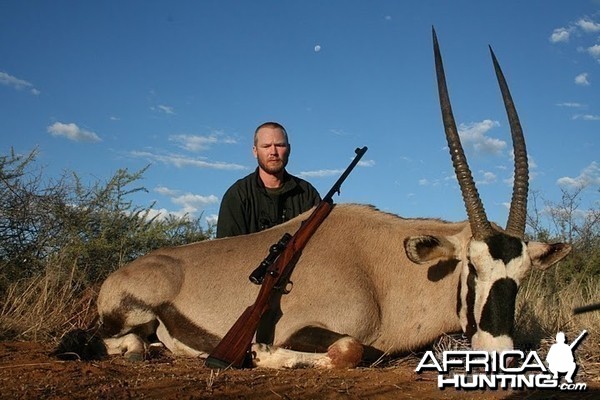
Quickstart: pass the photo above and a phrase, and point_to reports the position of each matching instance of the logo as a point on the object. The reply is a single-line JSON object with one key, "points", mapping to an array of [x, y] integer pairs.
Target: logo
{"points": [[510, 369]]}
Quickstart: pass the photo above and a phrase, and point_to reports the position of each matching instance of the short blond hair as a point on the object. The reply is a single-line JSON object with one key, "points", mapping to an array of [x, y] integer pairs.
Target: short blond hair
{"points": [[271, 124]]}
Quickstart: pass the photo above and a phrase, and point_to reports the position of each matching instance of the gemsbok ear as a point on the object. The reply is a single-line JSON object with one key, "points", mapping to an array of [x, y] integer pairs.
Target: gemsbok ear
{"points": [[426, 248], [544, 255]]}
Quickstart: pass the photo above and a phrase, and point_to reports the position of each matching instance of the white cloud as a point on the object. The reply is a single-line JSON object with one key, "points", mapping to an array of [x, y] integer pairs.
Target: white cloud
{"points": [[560, 35], [166, 109], [339, 132], [182, 161], [594, 51], [193, 203], [588, 25], [474, 134], [212, 219], [165, 191], [320, 173], [571, 105], [190, 205], [451, 178], [530, 161], [366, 163], [194, 142], [587, 117], [584, 25], [197, 143], [163, 109], [590, 175], [72, 132], [563, 35], [317, 48], [19, 84], [323, 173], [487, 178], [582, 79]]}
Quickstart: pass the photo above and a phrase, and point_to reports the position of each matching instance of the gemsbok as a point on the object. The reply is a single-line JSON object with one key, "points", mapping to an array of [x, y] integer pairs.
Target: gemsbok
{"points": [[367, 283]]}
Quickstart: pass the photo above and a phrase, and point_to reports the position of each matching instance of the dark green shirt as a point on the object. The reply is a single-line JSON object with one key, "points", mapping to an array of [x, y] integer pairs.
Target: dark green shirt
{"points": [[248, 206]]}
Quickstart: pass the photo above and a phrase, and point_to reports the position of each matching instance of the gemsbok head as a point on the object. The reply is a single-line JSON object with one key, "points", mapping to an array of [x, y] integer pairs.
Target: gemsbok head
{"points": [[497, 259]]}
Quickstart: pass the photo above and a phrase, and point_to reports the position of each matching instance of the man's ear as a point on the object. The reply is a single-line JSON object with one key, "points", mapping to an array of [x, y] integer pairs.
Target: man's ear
{"points": [[254, 152], [425, 248], [544, 255]]}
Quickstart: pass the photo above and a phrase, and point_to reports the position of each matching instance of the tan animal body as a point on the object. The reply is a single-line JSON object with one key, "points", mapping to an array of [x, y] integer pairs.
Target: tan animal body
{"points": [[368, 282]]}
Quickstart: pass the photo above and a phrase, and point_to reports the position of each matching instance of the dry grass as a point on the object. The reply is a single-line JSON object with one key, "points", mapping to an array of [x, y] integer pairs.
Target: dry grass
{"points": [[46, 306], [545, 306]]}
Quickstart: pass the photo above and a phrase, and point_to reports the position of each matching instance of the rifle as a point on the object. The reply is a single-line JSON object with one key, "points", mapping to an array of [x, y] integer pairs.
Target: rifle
{"points": [[272, 274], [576, 341], [588, 308]]}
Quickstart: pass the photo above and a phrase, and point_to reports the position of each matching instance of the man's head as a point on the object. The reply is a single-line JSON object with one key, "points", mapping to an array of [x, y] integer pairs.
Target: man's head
{"points": [[271, 147]]}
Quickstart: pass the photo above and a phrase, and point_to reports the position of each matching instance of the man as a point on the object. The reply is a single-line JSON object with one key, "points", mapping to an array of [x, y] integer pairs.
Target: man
{"points": [[560, 357], [268, 196], [265, 198]]}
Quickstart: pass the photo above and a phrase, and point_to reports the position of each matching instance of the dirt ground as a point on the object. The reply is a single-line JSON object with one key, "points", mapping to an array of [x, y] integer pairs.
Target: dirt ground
{"points": [[28, 372]]}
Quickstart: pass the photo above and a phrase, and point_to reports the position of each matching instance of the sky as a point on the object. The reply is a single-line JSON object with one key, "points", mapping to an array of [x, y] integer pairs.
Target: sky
{"points": [[181, 85]]}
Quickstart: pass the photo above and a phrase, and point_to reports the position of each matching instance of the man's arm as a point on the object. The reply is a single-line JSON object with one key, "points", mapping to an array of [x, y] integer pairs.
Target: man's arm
{"points": [[311, 197], [231, 220]]}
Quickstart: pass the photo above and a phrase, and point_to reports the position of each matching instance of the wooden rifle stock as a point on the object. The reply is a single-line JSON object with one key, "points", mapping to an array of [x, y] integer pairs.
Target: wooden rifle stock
{"points": [[233, 349]]}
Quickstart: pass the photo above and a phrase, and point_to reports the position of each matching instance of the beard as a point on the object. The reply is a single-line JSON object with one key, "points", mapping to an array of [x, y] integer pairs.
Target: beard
{"points": [[273, 166]]}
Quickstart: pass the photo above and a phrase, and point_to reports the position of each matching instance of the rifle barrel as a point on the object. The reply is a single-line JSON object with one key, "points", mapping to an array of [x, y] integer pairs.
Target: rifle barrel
{"points": [[576, 341], [588, 308], [338, 184]]}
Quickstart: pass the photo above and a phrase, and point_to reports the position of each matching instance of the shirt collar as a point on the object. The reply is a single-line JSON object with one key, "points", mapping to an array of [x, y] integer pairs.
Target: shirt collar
{"points": [[288, 182]]}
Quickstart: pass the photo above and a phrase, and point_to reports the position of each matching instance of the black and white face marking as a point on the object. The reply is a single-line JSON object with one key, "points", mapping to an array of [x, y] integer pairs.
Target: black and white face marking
{"points": [[489, 285]]}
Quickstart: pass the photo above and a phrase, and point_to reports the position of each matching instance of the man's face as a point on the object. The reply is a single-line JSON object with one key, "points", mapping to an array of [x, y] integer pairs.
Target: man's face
{"points": [[271, 150]]}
